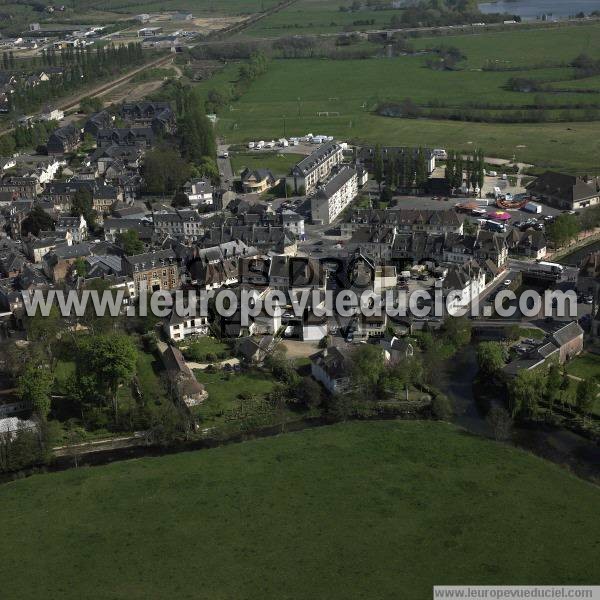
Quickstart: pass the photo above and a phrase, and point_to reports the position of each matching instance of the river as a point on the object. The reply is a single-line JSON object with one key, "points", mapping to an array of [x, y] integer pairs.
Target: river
{"points": [[575, 257], [530, 10], [561, 446]]}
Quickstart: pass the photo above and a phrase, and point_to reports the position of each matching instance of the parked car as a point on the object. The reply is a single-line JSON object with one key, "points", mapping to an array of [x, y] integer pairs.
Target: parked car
{"points": [[507, 282]]}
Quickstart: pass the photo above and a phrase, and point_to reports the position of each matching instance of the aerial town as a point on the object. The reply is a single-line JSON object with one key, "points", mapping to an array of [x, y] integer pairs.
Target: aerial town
{"points": [[397, 322]]}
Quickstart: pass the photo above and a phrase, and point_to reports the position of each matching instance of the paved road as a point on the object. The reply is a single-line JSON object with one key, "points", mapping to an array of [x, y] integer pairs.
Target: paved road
{"points": [[225, 168]]}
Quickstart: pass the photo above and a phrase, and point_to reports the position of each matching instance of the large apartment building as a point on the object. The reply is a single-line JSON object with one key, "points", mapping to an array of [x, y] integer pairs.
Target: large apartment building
{"points": [[314, 168], [154, 270], [333, 197]]}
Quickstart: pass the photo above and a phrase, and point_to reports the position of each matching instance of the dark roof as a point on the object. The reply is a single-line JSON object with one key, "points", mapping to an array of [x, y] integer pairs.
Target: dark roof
{"points": [[335, 363], [312, 161], [566, 187], [567, 333], [335, 182]]}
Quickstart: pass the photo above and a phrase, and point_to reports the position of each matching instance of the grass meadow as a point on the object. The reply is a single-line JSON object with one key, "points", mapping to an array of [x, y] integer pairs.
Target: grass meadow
{"points": [[297, 90], [357, 510]]}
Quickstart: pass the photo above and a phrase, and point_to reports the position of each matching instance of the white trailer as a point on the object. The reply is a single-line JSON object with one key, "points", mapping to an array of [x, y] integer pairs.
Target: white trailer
{"points": [[533, 207], [549, 267]]}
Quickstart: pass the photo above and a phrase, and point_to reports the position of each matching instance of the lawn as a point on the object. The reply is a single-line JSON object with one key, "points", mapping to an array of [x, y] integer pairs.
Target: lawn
{"points": [[277, 162], [358, 510], [586, 366], [204, 345], [224, 389]]}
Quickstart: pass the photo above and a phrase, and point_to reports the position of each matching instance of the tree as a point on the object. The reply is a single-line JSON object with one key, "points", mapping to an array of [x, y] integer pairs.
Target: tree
{"points": [[457, 330], [180, 200], [491, 358], [80, 267], [43, 331], [110, 360], [83, 205], [587, 392], [378, 166], [562, 230], [90, 104], [35, 386], [164, 170], [501, 423], [441, 407], [367, 367], [553, 382], [130, 242], [309, 392], [525, 392], [37, 220]]}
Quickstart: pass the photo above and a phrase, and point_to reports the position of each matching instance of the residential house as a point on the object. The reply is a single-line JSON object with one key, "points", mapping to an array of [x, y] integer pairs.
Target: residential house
{"points": [[57, 263], [257, 181], [180, 224], [76, 226], [142, 137], [187, 389], [153, 271], [396, 349], [530, 243], [293, 222], [199, 192], [332, 368], [560, 347], [63, 140], [405, 220], [183, 327], [97, 122], [462, 284]]}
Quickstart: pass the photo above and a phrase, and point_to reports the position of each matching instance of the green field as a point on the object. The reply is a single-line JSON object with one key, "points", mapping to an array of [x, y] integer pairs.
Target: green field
{"points": [[296, 90], [315, 16], [278, 163], [362, 510]]}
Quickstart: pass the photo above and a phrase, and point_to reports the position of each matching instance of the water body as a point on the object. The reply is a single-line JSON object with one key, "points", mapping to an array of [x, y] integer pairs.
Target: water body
{"points": [[575, 257], [530, 10]]}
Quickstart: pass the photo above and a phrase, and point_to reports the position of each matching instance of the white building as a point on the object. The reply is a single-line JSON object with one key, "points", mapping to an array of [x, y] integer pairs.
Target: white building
{"points": [[180, 328], [199, 192], [314, 168], [293, 222], [333, 197], [462, 284]]}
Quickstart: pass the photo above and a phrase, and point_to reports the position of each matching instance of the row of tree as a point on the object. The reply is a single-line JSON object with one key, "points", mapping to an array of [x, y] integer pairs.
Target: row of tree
{"points": [[405, 171], [469, 169]]}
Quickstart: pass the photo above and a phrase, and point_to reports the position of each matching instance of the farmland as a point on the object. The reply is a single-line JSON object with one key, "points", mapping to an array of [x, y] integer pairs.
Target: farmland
{"points": [[338, 511], [316, 16]]}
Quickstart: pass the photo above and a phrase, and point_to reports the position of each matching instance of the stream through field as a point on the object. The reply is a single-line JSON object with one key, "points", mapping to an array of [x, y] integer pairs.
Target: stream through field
{"points": [[561, 446]]}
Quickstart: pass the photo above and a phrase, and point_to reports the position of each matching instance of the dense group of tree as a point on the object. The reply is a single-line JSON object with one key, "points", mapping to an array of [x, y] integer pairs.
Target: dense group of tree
{"points": [[78, 68], [534, 391]]}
